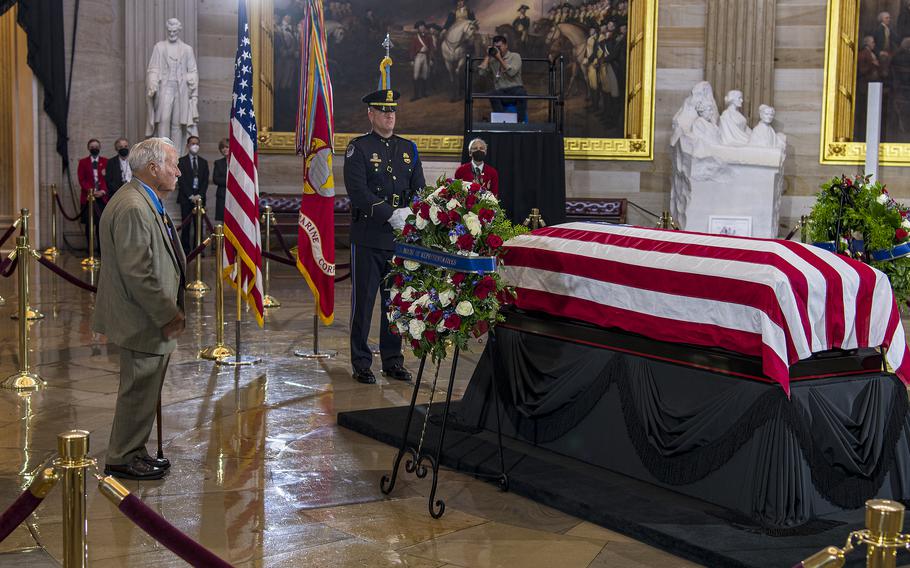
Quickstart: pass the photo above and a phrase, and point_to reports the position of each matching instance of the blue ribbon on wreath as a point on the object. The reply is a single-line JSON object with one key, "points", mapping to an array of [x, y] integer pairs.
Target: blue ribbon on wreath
{"points": [[447, 260], [893, 253]]}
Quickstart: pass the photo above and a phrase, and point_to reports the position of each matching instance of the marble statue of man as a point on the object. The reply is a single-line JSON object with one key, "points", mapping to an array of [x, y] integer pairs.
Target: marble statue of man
{"points": [[734, 130], [763, 134], [172, 87]]}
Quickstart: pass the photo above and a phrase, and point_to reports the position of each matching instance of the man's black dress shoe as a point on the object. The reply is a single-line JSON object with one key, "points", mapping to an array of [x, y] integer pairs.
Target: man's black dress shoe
{"points": [[160, 463], [398, 372], [364, 376], [137, 469]]}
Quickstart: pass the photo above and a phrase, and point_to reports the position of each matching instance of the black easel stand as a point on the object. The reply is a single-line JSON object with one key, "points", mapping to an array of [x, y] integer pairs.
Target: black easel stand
{"points": [[418, 458]]}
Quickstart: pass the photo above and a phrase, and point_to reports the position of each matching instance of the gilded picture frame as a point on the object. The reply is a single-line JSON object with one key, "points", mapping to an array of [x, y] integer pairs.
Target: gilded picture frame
{"points": [[636, 144], [842, 47]]}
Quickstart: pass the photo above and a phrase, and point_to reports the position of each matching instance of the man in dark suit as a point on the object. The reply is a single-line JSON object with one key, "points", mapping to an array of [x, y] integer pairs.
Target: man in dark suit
{"points": [[194, 181], [118, 167], [219, 178], [91, 174], [885, 38], [140, 303]]}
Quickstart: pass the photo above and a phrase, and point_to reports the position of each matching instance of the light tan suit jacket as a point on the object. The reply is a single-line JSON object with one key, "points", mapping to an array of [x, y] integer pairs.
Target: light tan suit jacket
{"points": [[139, 285]]}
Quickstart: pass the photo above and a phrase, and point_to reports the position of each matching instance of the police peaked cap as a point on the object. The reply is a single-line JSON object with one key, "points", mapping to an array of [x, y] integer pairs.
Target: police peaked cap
{"points": [[384, 100]]}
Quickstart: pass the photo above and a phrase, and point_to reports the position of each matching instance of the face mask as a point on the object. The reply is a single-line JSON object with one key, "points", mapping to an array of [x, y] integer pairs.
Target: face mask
{"points": [[478, 155], [94, 151], [194, 149], [124, 152]]}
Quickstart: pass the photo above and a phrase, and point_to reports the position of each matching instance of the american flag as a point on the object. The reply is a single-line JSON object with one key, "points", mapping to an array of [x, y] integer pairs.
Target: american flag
{"points": [[778, 300], [241, 207]]}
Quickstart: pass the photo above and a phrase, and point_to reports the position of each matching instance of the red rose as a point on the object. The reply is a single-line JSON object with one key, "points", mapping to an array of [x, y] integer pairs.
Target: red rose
{"points": [[418, 311], [458, 278], [454, 216], [900, 235], [505, 297], [453, 321], [415, 344], [443, 217], [486, 215], [396, 300], [408, 229], [465, 242], [494, 241], [403, 306], [425, 211], [434, 316], [484, 286], [470, 201], [430, 335], [398, 261]]}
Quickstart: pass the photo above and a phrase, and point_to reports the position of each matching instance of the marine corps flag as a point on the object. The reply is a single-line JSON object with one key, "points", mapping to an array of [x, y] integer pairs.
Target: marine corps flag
{"points": [[315, 129]]}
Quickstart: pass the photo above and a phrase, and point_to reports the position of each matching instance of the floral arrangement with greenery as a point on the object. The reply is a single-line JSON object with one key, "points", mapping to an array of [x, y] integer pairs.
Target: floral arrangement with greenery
{"points": [[434, 308], [870, 221]]}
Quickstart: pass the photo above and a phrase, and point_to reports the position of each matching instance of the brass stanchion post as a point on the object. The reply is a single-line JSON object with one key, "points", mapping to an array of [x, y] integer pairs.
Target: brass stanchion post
{"points": [[52, 252], [884, 521], [90, 262], [267, 300], [804, 229], [25, 379], [197, 286], [30, 312], [219, 350], [534, 220], [73, 449]]}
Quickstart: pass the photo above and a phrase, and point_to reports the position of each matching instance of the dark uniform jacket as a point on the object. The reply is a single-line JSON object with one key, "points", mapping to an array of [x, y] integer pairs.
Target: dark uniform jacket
{"points": [[185, 181], [380, 175]]}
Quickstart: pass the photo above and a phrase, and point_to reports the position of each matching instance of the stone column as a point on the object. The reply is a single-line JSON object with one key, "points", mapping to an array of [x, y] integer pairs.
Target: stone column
{"points": [[144, 25], [739, 51]]}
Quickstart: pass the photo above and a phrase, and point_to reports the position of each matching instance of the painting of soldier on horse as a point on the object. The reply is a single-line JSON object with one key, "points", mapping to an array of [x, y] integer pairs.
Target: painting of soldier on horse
{"points": [[430, 41]]}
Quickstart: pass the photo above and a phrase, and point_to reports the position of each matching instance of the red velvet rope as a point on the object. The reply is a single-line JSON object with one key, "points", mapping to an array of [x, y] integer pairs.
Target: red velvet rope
{"points": [[13, 516], [208, 223], [195, 252], [184, 221], [7, 234], [7, 266], [168, 535], [66, 275], [281, 241], [62, 212], [289, 262]]}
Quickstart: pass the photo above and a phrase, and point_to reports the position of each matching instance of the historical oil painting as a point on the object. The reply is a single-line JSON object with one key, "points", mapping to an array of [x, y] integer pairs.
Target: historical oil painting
{"points": [[884, 56], [430, 40]]}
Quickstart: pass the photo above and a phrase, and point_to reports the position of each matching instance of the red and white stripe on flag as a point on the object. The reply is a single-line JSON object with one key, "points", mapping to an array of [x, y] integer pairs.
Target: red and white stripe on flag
{"points": [[242, 247], [778, 300]]}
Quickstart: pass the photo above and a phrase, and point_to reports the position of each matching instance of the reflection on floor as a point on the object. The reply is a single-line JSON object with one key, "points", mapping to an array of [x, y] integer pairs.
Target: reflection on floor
{"points": [[262, 475]]}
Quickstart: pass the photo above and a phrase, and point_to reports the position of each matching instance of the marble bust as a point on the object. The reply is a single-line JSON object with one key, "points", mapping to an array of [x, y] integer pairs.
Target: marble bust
{"points": [[723, 171], [763, 134], [172, 83], [734, 130]]}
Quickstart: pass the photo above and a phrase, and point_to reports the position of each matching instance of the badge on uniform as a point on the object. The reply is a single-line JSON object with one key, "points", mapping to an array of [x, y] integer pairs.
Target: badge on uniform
{"points": [[376, 160], [407, 158], [395, 200], [350, 151]]}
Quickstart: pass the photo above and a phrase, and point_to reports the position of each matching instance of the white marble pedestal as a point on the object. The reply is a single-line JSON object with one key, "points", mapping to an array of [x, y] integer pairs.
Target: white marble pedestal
{"points": [[728, 190]]}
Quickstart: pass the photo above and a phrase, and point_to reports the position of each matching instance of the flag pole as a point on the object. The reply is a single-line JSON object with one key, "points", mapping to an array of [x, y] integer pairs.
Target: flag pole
{"points": [[238, 358], [315, 353]]}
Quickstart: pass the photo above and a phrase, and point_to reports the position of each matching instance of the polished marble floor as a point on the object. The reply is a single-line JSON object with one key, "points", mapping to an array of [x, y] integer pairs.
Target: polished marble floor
{"points": [[262, 475]]}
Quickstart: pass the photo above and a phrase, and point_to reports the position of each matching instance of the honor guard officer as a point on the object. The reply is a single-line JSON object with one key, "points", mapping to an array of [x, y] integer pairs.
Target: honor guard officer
{"points": [[381, 174]]}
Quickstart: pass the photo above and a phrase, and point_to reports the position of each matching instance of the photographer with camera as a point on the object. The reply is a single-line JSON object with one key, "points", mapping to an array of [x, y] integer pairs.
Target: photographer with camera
{"points": [[505, 67]]}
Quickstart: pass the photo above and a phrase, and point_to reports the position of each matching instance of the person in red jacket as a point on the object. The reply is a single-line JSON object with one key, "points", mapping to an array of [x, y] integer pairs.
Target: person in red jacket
{"points": [[91, 172], [477, 170]]}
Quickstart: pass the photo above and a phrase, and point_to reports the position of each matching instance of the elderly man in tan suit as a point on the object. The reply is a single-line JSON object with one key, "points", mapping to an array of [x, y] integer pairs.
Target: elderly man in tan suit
{"points": [[139, 305]]}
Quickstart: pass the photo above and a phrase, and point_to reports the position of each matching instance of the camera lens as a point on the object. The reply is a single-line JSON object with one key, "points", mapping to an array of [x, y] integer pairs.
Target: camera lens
{"points": [[492, 50]]}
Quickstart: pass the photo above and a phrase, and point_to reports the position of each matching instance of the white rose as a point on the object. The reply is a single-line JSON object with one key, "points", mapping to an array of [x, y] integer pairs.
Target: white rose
{"points": [[402, 327], [446, 297], [905, 224], [883, 198], [411, 265], [393, 291], [464, 308], [412, 309], [434, 214], [453, 238], [437, 192], [452, 204], [488, 197], [422, 301], [472, 223], [416, 328], [421, 223], [407, 294], [441, 326]]}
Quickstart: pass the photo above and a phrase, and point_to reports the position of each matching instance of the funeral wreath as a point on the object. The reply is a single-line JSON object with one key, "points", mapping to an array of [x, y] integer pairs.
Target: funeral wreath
{"points": [[872, 227], [433, 308]]}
